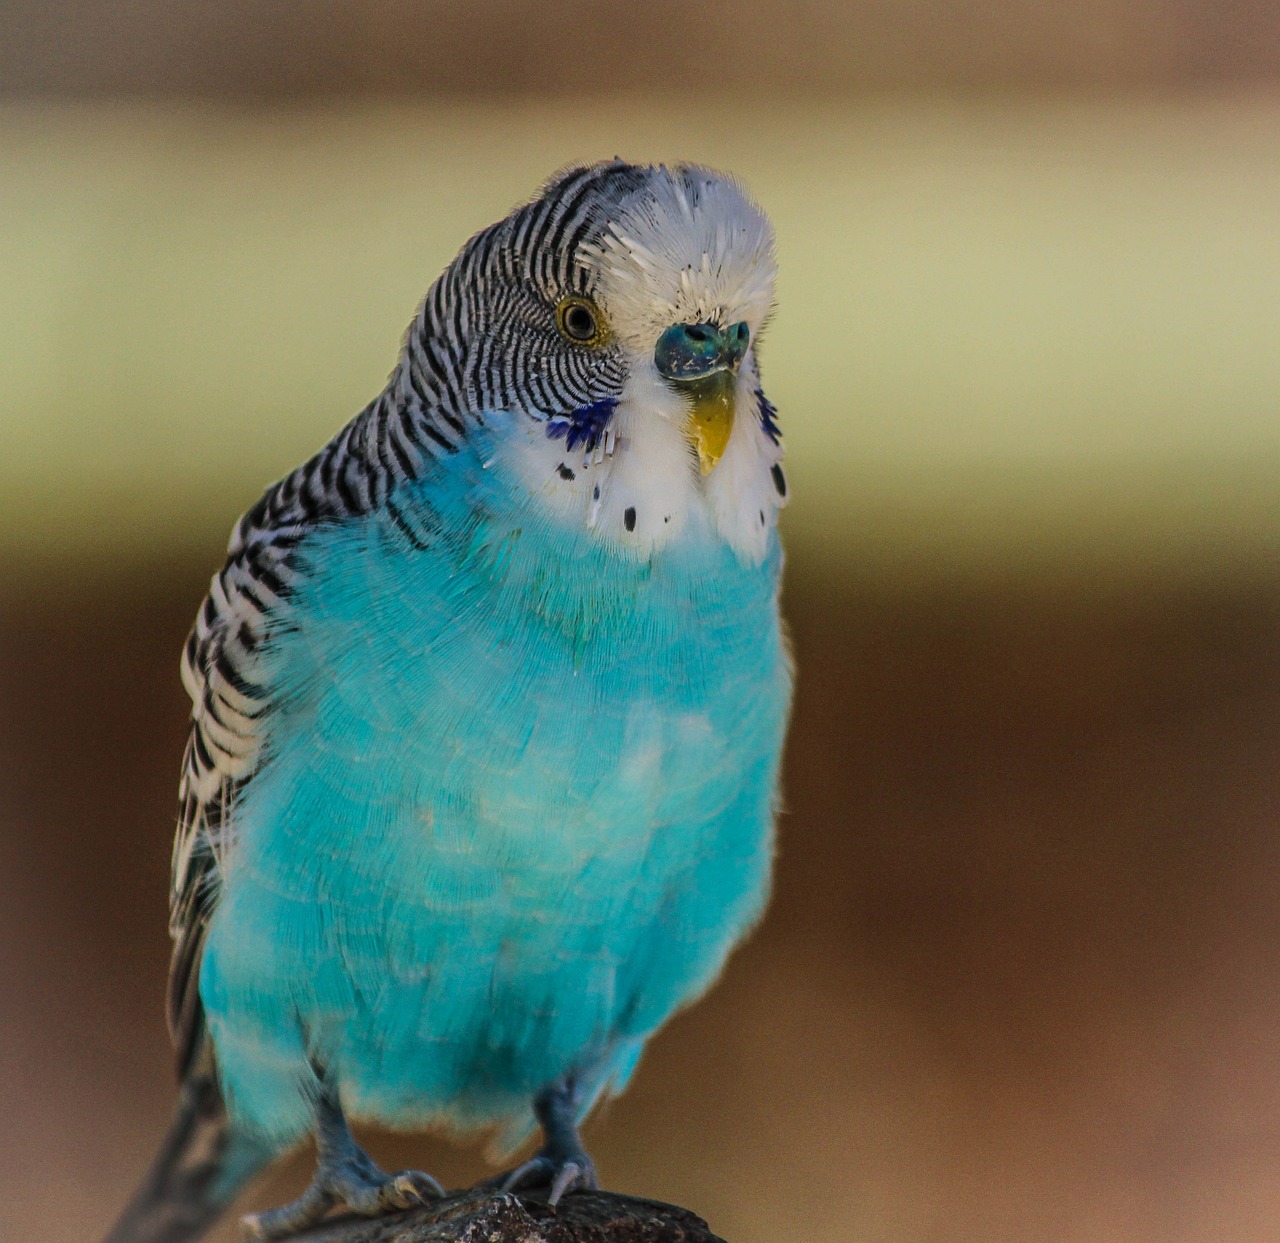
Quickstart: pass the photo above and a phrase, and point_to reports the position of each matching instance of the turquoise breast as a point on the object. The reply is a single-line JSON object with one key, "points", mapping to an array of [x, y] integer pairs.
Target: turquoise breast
{"points": [[516, 809]]}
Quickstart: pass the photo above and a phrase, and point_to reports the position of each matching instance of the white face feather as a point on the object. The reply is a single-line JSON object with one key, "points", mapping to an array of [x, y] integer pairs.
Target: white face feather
{"points": [[689, 247]]}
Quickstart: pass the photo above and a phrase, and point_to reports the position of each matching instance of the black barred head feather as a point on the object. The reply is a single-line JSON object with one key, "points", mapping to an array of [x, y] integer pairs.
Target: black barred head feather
{"points": [[486, 337], [635, 251], [635, 239]]}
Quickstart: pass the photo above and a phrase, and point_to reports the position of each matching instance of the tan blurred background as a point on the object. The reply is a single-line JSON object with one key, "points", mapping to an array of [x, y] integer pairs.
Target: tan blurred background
{"points": [[1021, 980]]}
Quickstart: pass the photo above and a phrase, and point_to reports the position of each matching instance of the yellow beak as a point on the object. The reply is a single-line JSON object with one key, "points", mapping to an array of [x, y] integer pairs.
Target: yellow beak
{"points": [[710, 421]]}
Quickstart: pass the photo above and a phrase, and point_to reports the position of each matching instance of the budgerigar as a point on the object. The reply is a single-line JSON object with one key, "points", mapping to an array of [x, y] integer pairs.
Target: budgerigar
{"points": [[488, 704]]}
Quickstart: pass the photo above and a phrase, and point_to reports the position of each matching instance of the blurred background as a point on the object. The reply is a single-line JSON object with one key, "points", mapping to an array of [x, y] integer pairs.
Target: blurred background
{"points": [[1021, 979]]}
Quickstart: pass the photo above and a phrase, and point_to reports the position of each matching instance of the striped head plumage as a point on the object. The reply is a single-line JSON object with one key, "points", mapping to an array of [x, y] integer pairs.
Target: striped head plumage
{"points": [[617, 317]]}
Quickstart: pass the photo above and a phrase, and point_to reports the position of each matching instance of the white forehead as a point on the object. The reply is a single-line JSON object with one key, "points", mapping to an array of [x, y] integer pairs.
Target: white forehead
{"points": [[688, 246]]}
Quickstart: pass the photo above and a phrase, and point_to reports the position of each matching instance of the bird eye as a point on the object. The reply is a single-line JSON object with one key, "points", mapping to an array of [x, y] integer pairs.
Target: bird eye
{"points": [[579, 321]]}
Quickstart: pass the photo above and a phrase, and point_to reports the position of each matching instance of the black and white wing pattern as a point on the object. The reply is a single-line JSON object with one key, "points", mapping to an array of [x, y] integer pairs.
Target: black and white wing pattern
{"points": [[246, 611]]}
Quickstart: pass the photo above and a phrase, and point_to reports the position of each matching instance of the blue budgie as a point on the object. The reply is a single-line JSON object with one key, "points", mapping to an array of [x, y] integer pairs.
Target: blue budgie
{"points": [[488, 703]]}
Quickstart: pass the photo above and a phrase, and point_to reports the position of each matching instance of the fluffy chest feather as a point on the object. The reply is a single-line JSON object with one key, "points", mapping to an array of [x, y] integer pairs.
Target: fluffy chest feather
{"points": [[473, 663], [517, 805]]}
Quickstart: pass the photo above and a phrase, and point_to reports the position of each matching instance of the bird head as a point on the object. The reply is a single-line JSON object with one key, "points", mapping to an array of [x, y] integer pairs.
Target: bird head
{"points": [[617, 315]]}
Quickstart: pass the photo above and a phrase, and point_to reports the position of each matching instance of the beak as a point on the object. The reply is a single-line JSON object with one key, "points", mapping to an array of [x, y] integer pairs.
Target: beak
{"points": [[701, 362]]}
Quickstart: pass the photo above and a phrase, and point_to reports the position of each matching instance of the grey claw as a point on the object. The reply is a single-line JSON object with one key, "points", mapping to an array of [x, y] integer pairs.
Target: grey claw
{"points": [[563, 1177], [418, 1187], [523, 1174], [568, 1176]]}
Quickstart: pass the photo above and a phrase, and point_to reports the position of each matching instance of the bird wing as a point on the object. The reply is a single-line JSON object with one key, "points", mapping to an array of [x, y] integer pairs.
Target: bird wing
{"points": [[230, 706], [227, 658]]}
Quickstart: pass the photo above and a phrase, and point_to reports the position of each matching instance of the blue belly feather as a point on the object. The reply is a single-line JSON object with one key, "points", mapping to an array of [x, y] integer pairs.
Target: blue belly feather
{"points": [[516, 809]]}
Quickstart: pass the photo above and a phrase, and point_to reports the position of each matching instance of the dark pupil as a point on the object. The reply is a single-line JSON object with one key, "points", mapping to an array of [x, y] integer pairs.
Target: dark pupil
{"points": [[580, 322]]}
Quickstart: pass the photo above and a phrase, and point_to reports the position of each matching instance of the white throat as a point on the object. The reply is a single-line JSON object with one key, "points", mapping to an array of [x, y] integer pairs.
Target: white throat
{"points": [[640, 489]]}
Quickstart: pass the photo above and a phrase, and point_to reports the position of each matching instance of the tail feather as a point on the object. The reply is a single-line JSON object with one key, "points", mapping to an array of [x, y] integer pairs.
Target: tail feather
{"points": [[201, 1166]]}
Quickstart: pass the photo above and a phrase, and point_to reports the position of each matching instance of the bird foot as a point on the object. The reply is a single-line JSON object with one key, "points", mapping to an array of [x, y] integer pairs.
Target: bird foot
{"points": [[562, 1170], [354, 1182]]}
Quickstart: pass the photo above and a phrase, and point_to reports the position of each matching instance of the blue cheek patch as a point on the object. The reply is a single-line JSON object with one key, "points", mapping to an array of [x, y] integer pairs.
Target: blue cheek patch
{"points": [[584, 426]]}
